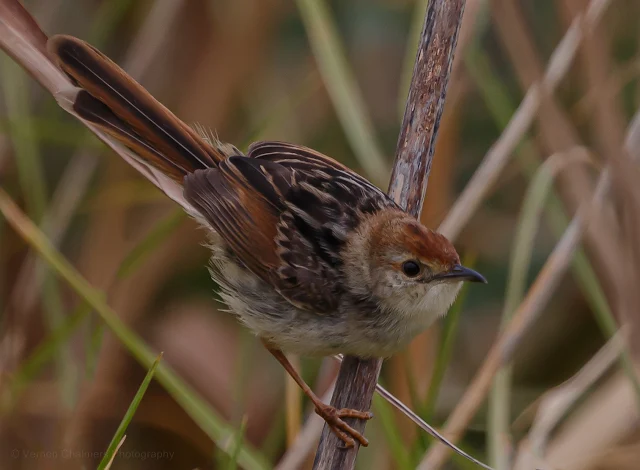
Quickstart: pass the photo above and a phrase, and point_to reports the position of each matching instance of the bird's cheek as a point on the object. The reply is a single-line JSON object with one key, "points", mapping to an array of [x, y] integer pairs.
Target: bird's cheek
{"points": [[388, 285], [384, 289]]}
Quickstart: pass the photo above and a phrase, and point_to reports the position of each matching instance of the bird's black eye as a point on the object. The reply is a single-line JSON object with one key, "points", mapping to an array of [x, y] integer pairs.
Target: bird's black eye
{"points": [[411, 268]]}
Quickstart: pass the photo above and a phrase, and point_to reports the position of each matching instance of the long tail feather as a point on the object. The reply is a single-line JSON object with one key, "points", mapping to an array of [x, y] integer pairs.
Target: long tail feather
{"points": [[122, 108]]}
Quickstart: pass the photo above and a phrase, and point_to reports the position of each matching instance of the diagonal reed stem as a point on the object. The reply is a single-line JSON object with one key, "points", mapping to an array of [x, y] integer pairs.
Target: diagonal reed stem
{"points": [[358, 377]]}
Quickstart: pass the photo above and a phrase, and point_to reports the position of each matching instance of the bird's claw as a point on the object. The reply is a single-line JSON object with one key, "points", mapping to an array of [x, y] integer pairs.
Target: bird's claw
{"points": [[334, 418]]}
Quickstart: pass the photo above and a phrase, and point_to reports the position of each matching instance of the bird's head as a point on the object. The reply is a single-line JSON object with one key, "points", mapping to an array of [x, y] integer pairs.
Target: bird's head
{"points": [[411, 270]]}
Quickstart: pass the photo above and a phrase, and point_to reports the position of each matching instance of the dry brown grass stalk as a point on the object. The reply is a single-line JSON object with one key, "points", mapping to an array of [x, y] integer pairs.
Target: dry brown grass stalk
{"points": [[74, 182], [357, 379], [555, 403], [557, 133], [235, 68], [536, 299], [502, 351], [498, 155]]}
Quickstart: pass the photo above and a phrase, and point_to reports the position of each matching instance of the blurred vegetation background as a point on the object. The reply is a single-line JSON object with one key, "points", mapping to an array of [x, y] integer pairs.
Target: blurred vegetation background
{"points": [[332, 76]]}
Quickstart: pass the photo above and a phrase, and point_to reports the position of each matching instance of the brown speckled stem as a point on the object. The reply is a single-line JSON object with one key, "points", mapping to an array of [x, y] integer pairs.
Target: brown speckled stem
{"points": [[358, 377]]}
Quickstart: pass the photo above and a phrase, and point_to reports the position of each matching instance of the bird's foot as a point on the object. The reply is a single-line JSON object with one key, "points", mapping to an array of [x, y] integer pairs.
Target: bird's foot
{"points": [[334, 418]]}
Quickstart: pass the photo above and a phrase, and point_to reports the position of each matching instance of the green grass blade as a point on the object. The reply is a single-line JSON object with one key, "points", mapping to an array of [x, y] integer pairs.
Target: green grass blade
{"points": [[342, 87], [156, 236], [107, 17], [401, 456], [502, 107], [284, 109], [118, 437], [94, 343], [45, 350], [232, 464], [23, 139], [445, 348], [520, 261], [196, 407], [108, 466], [557, 219], [52, 131], [26, 135], [34, 190]]}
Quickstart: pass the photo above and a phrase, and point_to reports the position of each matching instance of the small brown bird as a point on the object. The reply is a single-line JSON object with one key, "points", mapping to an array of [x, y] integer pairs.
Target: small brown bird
{"points": [[312, 257]]}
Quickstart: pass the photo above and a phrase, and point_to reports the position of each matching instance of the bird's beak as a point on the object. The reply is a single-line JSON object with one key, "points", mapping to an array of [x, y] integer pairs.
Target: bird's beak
{"points": [[463, 274]]}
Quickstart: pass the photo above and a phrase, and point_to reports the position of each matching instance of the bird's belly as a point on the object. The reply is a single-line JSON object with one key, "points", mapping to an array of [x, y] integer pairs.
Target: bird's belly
{"points": [[306, 333], [312, 334], [272, 318]]}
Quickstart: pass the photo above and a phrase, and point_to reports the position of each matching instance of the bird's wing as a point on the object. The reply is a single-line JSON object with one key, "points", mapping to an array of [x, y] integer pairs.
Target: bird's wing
{"points": [[287, 216]]}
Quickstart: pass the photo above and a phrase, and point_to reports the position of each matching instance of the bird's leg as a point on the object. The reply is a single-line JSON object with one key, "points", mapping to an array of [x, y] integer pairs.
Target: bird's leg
{"points": [[333, 416]]}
